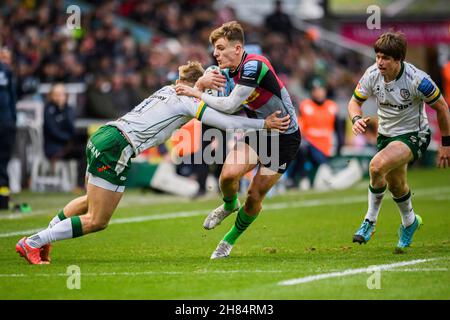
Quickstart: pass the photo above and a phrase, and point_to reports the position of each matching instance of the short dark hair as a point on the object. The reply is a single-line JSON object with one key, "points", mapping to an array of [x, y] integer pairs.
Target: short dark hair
{"points": [[393, 44]]}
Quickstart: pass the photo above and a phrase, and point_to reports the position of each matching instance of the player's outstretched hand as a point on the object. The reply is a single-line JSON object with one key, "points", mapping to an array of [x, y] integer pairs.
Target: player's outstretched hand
{"points": [[272, 122], [443, 157], [360, 126], [211, 80], [184, 90]]}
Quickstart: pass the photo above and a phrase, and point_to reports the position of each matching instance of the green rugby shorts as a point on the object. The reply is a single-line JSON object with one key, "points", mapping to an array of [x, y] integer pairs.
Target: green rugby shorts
{"points": [[109, 155], [417, 142]]}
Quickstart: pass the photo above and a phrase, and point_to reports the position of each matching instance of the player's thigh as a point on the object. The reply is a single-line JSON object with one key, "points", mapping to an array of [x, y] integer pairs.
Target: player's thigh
{"points": [[262, 182], [396, 154], [239, 161]]}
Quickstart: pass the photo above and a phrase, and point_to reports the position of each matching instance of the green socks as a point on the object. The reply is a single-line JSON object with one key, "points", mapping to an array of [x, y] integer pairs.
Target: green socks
{"points": [[230, 203], [243, 220]]}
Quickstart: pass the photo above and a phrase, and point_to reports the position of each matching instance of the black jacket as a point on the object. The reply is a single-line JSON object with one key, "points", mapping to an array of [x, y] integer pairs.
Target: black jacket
{"points": [[59, 128], [7, 97]]}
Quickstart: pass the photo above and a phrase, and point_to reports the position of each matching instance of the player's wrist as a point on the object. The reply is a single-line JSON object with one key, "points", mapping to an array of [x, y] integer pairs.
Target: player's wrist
{"points": [[445, 141], [356, 118]]}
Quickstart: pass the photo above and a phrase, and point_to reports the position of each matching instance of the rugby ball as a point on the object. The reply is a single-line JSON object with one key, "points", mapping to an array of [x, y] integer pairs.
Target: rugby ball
{"points": [[212, 92]]}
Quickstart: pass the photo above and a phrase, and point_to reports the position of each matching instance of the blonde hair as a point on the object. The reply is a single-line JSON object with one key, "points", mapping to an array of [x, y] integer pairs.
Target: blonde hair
{"points": [[190, 72], [232, 31]]}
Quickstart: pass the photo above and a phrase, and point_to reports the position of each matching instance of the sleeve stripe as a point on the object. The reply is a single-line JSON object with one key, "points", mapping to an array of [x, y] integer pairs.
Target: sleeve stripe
{"points": [[201, 109], [359, 97], [436, 93], [433, 92], [262, 73], [435, 98]]}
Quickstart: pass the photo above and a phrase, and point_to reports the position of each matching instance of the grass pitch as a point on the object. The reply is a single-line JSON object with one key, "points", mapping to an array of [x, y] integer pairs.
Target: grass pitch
{"points": [[156, 248]]}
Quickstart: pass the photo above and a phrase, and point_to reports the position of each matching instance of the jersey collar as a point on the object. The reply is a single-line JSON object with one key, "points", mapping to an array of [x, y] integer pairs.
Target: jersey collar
{"points": [[236, 71], [402, 68]]}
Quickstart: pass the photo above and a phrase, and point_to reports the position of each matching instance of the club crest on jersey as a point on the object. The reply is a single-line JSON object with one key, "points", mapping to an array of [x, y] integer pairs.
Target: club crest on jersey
{"points": [[405, 94]]}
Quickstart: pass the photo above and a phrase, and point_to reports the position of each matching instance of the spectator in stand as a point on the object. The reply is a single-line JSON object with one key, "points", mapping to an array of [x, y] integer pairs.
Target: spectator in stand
{"points": [[60, 141], [279, 21], [317, 120], [99, 104], [59, 124], [7, 122]]}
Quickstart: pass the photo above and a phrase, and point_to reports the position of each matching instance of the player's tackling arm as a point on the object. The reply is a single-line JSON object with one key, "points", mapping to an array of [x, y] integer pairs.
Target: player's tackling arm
{"points": [[443, 117], [224, 121], [229, 104]]}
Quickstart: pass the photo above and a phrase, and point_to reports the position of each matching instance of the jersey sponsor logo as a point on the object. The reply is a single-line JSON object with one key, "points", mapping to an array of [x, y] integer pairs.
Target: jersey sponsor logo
{"points": [[405, 94], [249, 70], [162, 98], [395, 106], [93, 149]]}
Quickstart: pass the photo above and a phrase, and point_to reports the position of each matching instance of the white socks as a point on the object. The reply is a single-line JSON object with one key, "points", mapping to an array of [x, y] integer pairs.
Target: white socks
{"points": [[65, 229], [61, 231], [406, 210], [56, 219], [374, 203]]}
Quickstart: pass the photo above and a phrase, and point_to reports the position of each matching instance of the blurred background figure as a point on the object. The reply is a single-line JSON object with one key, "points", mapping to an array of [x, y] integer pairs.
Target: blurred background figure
{"points": [[59, 130], [59, 124], [279, 21], [317, 119], [7, 122]]}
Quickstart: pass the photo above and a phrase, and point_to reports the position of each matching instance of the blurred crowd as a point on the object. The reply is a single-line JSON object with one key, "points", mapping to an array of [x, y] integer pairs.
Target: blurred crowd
{"points": [[120, 70]]}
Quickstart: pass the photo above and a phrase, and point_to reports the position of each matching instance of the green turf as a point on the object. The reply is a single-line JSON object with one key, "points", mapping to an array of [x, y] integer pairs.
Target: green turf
{"points": [[169, 258]]}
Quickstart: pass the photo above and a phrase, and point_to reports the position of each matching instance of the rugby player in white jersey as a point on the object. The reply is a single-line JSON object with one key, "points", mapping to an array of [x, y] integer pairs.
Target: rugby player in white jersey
{"points": [[109, 152], [400, 90]]}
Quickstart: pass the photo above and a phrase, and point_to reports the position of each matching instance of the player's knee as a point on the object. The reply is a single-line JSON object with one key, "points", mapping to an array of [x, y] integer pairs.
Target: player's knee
{"points": [[227, 178], [376, 167], [254, 198]]}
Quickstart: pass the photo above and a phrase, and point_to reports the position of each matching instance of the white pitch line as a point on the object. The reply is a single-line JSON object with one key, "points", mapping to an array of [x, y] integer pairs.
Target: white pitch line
{"points": [[349, 272], [272, 206], [419, 270]]}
